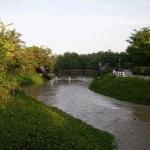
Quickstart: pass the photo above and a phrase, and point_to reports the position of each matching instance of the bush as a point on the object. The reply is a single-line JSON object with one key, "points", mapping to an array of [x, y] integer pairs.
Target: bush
{"points": [[31, 78], [135, 90], [8, 86]]}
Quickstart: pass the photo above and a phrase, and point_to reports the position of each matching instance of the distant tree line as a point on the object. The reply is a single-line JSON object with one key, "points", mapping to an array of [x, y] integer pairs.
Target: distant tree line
{"points": [[90, 61]]}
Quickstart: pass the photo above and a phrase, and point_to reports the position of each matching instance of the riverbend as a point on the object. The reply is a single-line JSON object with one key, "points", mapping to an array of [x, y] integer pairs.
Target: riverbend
{"points": [[129, 123]]}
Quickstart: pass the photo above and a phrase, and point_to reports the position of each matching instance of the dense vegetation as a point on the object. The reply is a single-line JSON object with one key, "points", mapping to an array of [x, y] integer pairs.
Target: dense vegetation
{"points": [[139, 47], [90, 61], [18, 60], [126, 89]]}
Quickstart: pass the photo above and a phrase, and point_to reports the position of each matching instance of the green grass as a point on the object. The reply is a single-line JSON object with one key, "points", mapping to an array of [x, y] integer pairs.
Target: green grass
{"points": [[28, 124], [31, 78], [134, 90]]}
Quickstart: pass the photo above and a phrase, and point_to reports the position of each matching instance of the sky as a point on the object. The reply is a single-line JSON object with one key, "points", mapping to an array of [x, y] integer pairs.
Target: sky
{"points": [[82, 26]]}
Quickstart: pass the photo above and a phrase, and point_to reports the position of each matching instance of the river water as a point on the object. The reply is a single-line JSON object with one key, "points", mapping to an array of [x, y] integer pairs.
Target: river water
{"points": [[129, 123]]}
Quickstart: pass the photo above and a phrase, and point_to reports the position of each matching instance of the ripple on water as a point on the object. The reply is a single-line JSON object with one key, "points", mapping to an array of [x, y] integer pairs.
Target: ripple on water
{"points": [[129, 123]]}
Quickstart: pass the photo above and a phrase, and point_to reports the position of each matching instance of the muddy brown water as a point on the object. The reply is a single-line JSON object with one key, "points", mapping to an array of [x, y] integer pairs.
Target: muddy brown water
{"points": [[129, 123]]}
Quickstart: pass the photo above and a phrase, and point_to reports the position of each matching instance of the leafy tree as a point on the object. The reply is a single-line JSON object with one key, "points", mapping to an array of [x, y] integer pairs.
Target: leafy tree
{"points": [[37, 57], [139, 47], [7, 47], [17, 60]]}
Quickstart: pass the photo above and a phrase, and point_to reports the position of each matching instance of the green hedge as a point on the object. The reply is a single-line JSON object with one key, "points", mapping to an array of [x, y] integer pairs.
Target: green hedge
{"points": [[126, 89], [30, 78]]}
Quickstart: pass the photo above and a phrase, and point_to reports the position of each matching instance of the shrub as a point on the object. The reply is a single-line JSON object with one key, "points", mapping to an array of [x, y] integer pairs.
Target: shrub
{"points": [[31, 78], [130, 89]]}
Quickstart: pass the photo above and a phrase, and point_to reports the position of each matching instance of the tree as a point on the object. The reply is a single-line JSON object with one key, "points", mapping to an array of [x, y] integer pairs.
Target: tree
{"points": [[17, 60], [139, 47], [7, 49], [36, 57], [3, 28], [14, 37], [68, 61]]}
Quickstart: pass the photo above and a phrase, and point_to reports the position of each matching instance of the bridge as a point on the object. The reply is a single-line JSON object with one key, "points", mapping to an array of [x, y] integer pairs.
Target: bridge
{"points": [[68, 79]]}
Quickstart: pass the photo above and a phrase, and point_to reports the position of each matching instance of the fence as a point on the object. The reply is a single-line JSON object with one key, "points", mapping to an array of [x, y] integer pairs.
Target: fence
{"points": [[119, 73]]}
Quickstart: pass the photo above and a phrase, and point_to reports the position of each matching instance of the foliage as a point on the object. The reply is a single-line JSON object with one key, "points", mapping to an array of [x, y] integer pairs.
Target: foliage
{"points": [[141, 71], [30, 78], [27, 124], [17, 60], [39, 57], [134, 90], [139, 48], [90, 61]]}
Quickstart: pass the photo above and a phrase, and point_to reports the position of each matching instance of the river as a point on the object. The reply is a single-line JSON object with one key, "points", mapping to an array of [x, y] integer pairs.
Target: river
{"points": [[129, 123]]}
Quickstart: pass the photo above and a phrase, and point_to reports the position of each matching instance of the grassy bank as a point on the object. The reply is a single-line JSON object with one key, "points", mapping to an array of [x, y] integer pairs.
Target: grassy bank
{"points": [[26, 123], [126, 89]]}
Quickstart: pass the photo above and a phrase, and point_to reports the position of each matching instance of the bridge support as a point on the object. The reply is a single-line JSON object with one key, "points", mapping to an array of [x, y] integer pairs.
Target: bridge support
{"points": [[69, 79]]}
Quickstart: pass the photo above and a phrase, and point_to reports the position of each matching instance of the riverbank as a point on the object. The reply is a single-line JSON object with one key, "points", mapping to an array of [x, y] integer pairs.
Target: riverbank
{"points": [[26, 123], [134, 90]]}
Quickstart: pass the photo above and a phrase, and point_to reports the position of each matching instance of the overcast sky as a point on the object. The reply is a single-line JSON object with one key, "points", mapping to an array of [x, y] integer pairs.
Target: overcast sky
{"points": [[83, 26]]}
